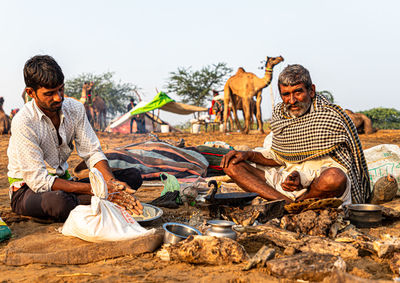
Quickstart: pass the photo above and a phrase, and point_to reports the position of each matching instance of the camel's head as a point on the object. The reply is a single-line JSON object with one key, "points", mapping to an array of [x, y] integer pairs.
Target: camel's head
{"points": [[85, 85], [272, 61]]}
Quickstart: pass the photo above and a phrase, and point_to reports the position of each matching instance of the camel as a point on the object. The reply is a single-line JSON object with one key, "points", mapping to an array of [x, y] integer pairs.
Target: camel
{"points": [[95, 107], [100, 111], [5, 122], [219, 108], [87, 102], [95, 111], [98, 108], [90, 114], [362, 122], [84, 93], [246, 85], [253, 109]]}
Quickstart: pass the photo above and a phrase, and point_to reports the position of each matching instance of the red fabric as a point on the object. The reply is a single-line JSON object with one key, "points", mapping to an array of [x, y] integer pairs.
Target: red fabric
{"points": [[215, 167], [210, 110], [209, 153]]}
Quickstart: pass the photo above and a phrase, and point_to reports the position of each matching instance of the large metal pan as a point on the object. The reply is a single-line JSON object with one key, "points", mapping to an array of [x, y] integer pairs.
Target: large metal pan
{"points": [[231, 199]]}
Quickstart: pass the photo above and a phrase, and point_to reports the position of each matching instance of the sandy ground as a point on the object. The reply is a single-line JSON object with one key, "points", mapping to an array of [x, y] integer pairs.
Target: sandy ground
{"points": [[147, 267]]}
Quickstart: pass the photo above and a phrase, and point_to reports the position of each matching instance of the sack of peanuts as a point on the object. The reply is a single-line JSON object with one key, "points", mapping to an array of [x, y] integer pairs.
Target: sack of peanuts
{"points": [[102, 220], [383, 160]]}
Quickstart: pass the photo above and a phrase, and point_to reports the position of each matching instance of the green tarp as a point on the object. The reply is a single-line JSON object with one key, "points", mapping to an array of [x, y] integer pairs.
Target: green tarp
{"points": [[158, 101]]}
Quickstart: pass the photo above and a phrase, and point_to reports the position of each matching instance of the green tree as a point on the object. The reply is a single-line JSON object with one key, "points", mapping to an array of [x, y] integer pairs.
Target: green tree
{"points": [[384, 118], [195, 87], [116, 95], [327, 94]]}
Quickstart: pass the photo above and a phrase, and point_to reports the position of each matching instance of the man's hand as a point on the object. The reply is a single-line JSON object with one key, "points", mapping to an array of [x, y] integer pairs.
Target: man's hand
{"points": [[120, 193], [292, 182], [115, 185], [235, 157]]}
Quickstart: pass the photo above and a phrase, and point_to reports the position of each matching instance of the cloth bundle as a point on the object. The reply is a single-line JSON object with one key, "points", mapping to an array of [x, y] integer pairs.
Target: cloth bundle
{"points": [[152, 159]]}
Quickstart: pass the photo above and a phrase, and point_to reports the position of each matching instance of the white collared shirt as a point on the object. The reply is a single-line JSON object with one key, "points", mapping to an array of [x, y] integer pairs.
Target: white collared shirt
{"points": [[34, 151]]}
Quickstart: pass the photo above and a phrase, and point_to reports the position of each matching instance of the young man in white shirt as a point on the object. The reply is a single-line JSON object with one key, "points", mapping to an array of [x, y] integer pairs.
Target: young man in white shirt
{"points": [[42, 136]]}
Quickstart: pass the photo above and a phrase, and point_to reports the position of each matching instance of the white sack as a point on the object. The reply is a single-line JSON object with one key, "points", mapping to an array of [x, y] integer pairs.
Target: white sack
{"points": [[102, 220], [382, 160]]}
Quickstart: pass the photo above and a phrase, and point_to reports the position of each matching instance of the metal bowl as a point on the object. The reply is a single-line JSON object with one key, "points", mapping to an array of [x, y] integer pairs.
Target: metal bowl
{"points": [[365, 215], [151, 212], [176, 232]]}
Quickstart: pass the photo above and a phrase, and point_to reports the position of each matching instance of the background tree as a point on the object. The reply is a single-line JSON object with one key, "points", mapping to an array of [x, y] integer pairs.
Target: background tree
{"points": [[116, 95], [194, 87], [327, 94], [384, 118]]}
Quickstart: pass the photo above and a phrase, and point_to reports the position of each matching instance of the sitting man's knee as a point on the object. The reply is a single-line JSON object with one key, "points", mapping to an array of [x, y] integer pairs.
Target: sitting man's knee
{"points": [[334, 176], [131, 176], [228, 170], [332, 182], [59, 204], [231, 170]]}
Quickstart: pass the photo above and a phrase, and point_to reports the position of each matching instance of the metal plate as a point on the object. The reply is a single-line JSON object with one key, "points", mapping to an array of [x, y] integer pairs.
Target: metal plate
{"points": [[233, 199], [152, 211]]}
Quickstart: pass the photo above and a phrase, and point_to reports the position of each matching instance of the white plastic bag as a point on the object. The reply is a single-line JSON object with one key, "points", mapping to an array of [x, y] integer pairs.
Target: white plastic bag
{"points": [[382, 160], [102, 220]]}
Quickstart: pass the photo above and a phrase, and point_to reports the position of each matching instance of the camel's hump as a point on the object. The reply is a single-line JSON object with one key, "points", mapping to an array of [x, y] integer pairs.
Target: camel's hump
{"points": [[240, 70]]}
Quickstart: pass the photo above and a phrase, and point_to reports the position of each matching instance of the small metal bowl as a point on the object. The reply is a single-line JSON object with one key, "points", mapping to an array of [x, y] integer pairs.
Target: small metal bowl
{"points": [[365, 215], [176, 232]]}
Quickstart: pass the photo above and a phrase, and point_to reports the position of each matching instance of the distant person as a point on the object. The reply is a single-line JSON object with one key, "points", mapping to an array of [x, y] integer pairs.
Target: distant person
{"points": [[130, 106], [218, 107], [141, 123], [43, 137], [211, 110], [315, 151]]}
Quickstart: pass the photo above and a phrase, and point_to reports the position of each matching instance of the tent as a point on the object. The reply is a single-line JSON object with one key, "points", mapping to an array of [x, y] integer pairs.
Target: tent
{"points": [[152, 124], [160, 101]]}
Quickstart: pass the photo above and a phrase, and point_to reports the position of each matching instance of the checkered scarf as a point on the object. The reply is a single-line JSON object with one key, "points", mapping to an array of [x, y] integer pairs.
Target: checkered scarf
{"points": [[325, 131]]}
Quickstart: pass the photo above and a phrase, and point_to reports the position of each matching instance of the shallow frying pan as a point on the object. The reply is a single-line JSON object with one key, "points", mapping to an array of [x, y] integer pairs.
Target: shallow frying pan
{"points": [[230, 199]]}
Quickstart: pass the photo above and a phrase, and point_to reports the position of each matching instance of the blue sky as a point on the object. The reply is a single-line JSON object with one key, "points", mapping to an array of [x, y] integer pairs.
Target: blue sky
{"points": [[351, 48]]}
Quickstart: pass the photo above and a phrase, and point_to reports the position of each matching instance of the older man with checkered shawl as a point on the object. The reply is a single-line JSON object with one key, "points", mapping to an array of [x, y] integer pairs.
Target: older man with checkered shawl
{"points": [[315, 150]]}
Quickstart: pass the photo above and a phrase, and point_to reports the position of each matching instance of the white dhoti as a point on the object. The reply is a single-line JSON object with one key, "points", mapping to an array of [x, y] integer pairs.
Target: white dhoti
{"points": [[308, 170]]}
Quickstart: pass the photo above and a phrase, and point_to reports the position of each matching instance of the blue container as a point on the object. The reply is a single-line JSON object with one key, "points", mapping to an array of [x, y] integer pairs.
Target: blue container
{"points": [[5, 232]]}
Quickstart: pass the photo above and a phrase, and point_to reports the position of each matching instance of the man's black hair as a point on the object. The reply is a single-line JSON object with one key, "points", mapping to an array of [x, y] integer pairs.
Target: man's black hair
{"points": [[42, 71]]}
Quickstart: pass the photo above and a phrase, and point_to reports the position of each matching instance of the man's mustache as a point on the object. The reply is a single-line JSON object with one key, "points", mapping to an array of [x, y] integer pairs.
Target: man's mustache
{"points": [[57, 103], [296, 104]]}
